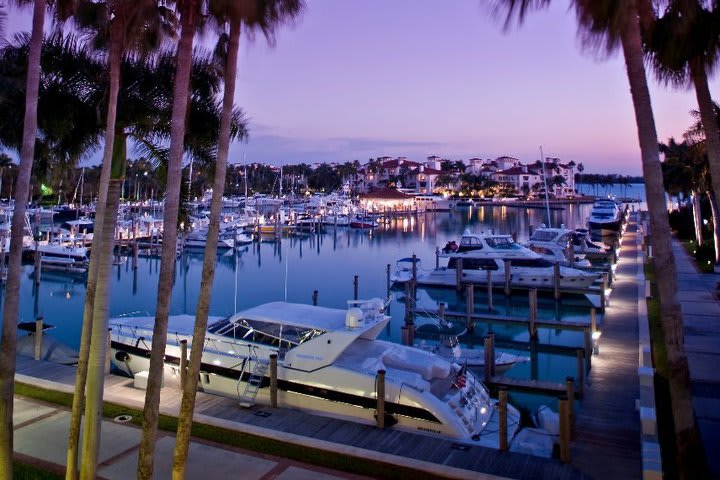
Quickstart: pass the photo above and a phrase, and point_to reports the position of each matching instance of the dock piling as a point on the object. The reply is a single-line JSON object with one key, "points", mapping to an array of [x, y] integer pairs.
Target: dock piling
{"points": [[489, 356], [580, 372], [273, 380], [502, 419], [315, 297], [380, 394], [570, 392], [355, 287], [593, 320], [38, 337], [489, 290], [183, 363], [588, 351], [387, 280], [603, 288], [441, 311], [508, 266], [414, 271], [437, 257], [556, 280], [564, 430], [532, 317], [458, 273], [469, 306]]}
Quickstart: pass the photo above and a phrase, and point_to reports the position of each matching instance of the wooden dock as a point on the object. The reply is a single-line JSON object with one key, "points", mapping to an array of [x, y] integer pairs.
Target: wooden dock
{"points": [[607, 440]]}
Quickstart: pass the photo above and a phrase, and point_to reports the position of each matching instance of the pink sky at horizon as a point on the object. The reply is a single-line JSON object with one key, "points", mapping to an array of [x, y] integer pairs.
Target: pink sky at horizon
{"points": [[414, 78]]}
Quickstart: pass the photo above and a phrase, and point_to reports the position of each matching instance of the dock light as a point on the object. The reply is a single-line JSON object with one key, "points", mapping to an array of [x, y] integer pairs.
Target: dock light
{"points": [[216, 362], [596, 342]]}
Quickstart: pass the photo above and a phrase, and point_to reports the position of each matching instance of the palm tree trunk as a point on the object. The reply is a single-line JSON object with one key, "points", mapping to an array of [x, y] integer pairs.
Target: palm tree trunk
{"points": [[71, 471], [187, 406], [12, 289], [710, 125], [695, 201], [690, 457], [101, 308], [167, 263], [716, 226]]}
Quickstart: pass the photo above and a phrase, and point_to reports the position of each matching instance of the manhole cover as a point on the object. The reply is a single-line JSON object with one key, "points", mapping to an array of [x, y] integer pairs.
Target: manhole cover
{"points": [[122, 418]]}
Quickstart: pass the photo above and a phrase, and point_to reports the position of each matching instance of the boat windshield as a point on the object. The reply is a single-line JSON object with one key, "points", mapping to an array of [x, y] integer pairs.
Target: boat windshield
{"points": [[543, 236], [266, 333], [501, 242]]}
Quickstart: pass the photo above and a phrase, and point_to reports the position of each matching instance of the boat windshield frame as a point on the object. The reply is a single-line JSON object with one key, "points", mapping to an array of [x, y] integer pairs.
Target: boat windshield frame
{"points": [[267, 333]]}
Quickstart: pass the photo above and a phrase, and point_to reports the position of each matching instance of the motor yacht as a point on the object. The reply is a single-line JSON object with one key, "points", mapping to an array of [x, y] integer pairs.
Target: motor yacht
{"points": [[60, 256], [554, 244], [479, 254], [327, 363], [605, 217]]}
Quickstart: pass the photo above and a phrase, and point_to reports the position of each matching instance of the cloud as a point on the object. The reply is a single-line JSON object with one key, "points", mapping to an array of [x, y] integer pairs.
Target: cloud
{"points": [[267, 147]]}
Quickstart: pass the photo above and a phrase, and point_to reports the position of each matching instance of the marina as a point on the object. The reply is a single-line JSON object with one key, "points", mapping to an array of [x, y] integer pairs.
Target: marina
{"points": [[541, 378], [602, 380]]}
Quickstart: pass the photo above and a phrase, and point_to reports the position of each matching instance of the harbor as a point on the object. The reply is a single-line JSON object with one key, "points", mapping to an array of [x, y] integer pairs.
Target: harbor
{"points": [[559, 370], [610, 374]]}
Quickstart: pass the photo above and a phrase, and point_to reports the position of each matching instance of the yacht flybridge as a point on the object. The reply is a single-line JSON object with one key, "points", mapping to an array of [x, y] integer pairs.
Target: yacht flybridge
{"points": [[478, 254], [328, 361]]}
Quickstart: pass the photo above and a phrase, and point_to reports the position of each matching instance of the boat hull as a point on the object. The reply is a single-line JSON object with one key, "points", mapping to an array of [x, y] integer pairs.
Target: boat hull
{"points": [[541, 280]]}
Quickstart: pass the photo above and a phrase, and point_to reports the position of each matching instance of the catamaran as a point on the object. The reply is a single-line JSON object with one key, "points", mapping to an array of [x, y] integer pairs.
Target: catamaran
{"points": [[328, 363]]}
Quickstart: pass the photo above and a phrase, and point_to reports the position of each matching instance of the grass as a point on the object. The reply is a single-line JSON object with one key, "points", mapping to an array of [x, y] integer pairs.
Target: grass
{"points": [[24, 471], [234, 438], [702, 255], [663, 407]]}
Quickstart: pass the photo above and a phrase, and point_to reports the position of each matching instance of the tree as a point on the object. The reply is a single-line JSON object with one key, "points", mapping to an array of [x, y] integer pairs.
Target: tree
{"points": [[12, 288], [683, 45], [118, 27], [190, 11], [609, 24], [260, 16]]}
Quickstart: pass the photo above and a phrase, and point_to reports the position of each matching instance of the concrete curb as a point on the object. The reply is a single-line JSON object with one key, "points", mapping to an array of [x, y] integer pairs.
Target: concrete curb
{"points": [[651, 456]]}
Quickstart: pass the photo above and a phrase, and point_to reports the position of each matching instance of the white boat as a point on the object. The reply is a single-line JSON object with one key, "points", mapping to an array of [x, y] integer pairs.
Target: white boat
{"points": [[582, 243], [404, 270], [449, 347], [434, 202], [481, 254], [59, 256], [605, 217], [554, 244], [198, 239], [328, 362]]}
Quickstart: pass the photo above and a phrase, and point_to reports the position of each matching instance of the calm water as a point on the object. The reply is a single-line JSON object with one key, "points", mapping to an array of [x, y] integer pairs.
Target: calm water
{"points": [[293, 268]]}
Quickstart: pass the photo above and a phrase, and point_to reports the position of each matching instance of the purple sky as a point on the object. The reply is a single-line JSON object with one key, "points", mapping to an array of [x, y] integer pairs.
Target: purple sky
{"points": [[354, 80]]}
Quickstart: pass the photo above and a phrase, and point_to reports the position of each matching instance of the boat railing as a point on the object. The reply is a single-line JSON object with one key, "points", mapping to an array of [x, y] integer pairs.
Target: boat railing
{"points": [[140, 334]]}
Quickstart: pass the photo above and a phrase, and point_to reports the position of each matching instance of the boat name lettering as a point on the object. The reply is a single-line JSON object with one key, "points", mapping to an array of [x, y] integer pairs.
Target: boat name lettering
{"points": [[425, 429], [309, 357]]}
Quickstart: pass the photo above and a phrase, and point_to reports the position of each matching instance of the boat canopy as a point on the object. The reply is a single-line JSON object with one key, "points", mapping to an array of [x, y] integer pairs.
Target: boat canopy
{"points": [[295, 314]]}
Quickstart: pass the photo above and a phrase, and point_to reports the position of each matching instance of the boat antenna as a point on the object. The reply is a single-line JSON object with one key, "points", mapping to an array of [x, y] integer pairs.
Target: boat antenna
{"points": [[547, 200], [287, 254], [235, 255]]}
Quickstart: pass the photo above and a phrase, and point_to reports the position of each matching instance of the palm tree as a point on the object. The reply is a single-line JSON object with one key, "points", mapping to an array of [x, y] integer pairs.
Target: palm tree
{"points": [[683, 44], [190, 11], [119, 27], [260, 16], [12, 288], [610, 24], [696, 136]]}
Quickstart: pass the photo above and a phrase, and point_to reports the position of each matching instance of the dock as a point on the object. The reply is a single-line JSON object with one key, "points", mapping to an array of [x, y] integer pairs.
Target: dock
{"points": [[428, 456]]}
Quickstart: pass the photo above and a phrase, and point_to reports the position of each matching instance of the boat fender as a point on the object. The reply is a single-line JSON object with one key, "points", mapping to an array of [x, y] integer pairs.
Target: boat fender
{"points": [[122, 356]]}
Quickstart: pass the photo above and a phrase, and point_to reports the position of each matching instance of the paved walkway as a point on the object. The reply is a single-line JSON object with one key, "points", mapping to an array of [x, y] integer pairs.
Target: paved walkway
{"points": [[41, 432], [701, 316]]}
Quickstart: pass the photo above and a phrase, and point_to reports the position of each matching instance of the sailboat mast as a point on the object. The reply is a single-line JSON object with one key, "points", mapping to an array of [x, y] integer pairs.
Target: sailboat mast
{"points": [[547, 200], [246, 178]]}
